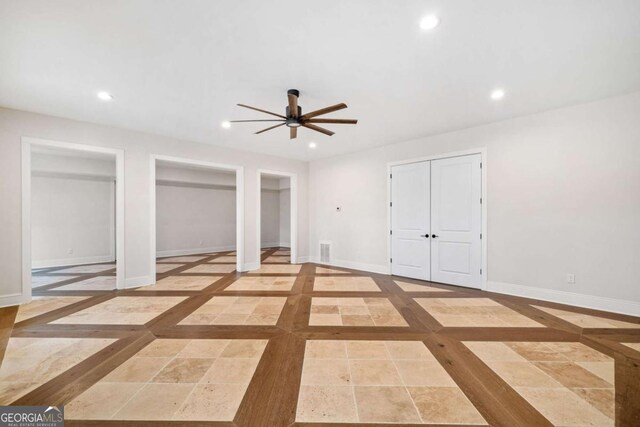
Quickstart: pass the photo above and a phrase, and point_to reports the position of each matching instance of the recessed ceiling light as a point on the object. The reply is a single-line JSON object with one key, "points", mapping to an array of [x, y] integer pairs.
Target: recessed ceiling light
{"points": [[312, 145], [497, 94], [105, 96], [429, 22], [226, 124]]}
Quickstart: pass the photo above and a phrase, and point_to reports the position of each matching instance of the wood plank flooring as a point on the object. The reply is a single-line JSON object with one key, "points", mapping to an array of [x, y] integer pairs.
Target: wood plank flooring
{"points": [[310, 345]]}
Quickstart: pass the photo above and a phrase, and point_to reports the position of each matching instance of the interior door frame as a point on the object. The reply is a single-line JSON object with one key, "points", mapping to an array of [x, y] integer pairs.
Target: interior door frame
{"points": [[239, 171], [293, 211], [27, 144], [485, 232]]}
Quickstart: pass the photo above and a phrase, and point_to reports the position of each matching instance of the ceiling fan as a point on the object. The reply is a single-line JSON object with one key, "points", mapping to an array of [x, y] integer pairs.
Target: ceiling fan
{"points": [[294, 118]]}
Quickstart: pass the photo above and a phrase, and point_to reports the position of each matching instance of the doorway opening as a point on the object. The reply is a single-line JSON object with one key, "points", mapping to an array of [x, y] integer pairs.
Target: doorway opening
{"points": [[73, 218], [277, 221], [196, 217]]}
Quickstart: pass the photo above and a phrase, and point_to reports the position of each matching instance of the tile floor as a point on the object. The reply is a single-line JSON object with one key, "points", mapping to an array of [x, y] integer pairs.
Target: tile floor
{"points": [[309, 344]]}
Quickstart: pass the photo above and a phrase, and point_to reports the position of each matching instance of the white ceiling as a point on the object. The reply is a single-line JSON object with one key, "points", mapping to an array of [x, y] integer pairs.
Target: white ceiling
{"points": [[178, 68]]}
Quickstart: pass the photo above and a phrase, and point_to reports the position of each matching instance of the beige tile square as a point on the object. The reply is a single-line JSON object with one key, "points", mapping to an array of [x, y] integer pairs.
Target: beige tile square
{"points": [[367, 350], [326, 404], [230, 371], [400, 350], [11, 391], [444, 405], [224, 259], [101, 401], [563, 407], [183, 370], [212, 402], [571, 375], [137, 370], [212, 268], [204, 348], [42, 305], [278, 269], [374, 372], [578, 352], [248, 283], [244, 348], [587, 321], [155, 402], [326, 372], [423, 373], [633, 345], [536, 351], [163, 348], [321, 349], [180, 283], [523, 374], [357, 320], [163, 268], [345, 284], [494, 351], [602, 399], [316, 319], [604, 370], [385, 405], [323, 270], [100, 283]]}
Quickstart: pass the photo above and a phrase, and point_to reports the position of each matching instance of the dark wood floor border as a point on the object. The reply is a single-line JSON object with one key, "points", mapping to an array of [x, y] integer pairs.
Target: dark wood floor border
{"points": [[7, 319], [219, 332], [496, 401], [272, 395], [508, 334], [139, 423], [71, 383]]}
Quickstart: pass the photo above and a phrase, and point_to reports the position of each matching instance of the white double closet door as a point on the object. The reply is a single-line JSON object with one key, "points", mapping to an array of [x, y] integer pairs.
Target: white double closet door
{"points": [[436, 220]]}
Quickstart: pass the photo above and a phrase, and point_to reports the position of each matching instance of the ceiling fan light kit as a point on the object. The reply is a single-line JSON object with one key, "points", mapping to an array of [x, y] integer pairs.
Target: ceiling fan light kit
{"points": [[294, 118]]}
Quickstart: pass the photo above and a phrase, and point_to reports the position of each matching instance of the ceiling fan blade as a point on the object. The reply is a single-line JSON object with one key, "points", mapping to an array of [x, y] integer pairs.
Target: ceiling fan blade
{"points": [[324, 111], [272, 127], [293, 105], [335, 121], [318, 129], [247, 121], [262, 111], [293, 133]]}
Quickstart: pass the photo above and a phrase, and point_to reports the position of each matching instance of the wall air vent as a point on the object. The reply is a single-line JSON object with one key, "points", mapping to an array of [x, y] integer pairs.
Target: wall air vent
{"points": [[325, 252]]}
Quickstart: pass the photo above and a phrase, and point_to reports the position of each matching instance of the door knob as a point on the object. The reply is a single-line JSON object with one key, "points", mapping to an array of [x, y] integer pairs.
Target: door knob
{"points": [[424, 235], [433, 236]]}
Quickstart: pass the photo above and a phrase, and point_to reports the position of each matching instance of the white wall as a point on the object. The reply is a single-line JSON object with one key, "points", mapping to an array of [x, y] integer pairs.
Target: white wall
{"points": [[563, 197], [138, 148], [285, 217], [73, 209], [195, 210], [72, 221], [270, 218]]}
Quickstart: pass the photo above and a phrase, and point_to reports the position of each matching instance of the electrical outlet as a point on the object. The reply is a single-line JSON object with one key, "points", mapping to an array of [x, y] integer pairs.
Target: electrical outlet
{"points": [[571, 279], [338, 209]]}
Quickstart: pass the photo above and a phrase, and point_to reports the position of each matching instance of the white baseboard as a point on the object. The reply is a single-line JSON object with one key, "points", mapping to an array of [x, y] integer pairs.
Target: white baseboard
{"points": [[72, 261], [195, 251], [13, 299], [372, 268], [134, 282], [570, 298]]}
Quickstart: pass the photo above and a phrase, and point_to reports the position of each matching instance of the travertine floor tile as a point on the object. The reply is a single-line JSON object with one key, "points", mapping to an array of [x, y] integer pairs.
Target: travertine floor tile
{"points": [[374, 372], [182, 259], [345, 284], [180, 283], [42, 305], [326, 372], [278, 269], [324, 270], [354, 312], [444, 405], [212, 402], [325, 349], [474, 312], [223, 260], [101, 401], [262, 284], [163, 268], [122, 310], [212, 268], [328, 404], [586, 320], [155, 402], [234, 310], [385, 405]]}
